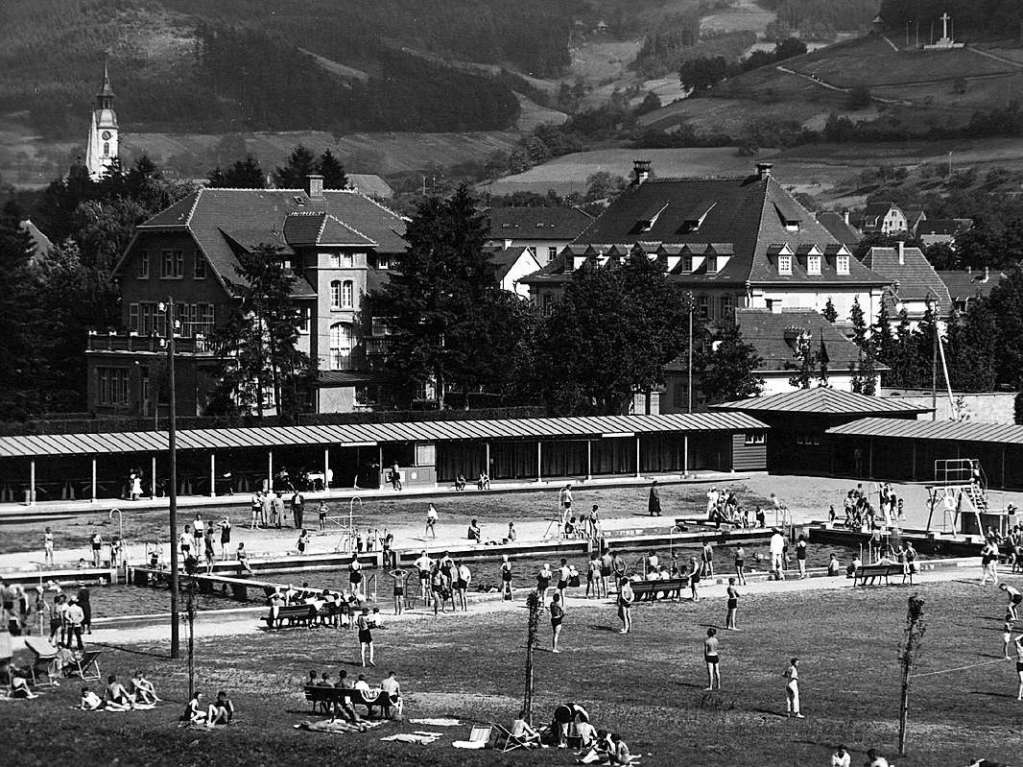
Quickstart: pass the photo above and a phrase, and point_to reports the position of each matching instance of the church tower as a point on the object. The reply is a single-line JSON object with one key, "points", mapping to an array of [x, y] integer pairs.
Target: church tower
{"points": [[102, 147]]}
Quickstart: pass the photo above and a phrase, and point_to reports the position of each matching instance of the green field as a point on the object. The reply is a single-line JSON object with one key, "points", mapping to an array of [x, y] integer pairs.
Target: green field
{"points": [[647, 686]]}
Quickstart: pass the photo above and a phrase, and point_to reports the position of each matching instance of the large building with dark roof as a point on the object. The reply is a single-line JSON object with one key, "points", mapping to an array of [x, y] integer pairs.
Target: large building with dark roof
{"points": [[736, 242], [339, 244], [543, 230]]}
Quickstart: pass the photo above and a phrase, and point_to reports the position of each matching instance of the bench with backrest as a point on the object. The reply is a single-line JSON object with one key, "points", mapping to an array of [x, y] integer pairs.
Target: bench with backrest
{"points": [[648, 591], [874, 573], [328, 697], [294, 615]]}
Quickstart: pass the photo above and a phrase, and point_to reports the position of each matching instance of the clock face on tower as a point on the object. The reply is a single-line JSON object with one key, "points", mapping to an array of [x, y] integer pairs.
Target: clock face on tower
{"points": [[106, 135]]}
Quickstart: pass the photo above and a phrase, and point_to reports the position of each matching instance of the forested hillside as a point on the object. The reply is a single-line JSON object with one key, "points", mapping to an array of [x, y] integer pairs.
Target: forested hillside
{"points": [[236, 64]]}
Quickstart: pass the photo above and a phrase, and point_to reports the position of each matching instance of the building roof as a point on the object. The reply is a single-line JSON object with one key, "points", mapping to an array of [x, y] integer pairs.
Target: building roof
{"points": [[249, 217], [751, 220], [371, 184], [949, 227], [41, 246], [504, 259], [838, 228], [956, 431], [537, 223], [373, 433], [774, 336], [821, 401], [964, 284], [879, 209], [911, 275]]}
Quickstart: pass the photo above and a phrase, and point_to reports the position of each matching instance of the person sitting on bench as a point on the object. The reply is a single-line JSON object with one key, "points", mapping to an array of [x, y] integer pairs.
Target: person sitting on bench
{"points": [[221, 711], [460, 482], [344, 705]]}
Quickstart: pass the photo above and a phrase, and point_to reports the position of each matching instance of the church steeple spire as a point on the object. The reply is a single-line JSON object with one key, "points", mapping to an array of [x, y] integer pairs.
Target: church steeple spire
{"points": [[102, 148], [105, 96]]}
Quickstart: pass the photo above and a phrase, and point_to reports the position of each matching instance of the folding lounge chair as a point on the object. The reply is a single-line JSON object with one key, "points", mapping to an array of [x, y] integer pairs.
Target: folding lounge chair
{"points": [[44, 657], [479, 737], [521, 735], [88, 666]]}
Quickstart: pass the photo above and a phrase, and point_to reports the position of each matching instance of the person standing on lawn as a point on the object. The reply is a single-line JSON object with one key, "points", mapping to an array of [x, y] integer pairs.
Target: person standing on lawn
{"points": [[431, 521], [792, 689], [625, 599], [363, 624], [654, 503], [298, 509], [506, 578], [48, 547], [740, 564], [1015, 598], [593, 575], [801, 555], [733, 605], [565, 502], [557, 616], [710, 657]]}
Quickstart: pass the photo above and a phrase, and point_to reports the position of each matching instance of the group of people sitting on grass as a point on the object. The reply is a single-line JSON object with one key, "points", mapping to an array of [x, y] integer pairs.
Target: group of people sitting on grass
{"points": [[198, 714], [570, 727], [139, 694], [334, 609], [343, 708]]}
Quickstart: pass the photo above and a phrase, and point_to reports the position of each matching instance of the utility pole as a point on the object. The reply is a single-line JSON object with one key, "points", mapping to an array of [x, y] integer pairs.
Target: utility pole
{"points": [[912, 637], [533, 603], [689, 401], [934, 362], [172, 446]]}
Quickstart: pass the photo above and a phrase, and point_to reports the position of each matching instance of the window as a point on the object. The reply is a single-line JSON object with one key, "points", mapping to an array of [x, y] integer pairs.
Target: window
{"points": [[784, 264], [808, 439], [133, 317], [142, 265], [199, 268], [383, 262], [335, 294], [754, 438], [532, 250], [712, 264], [106, 148], [727, 306], [340, 346], [334, 260], [200, 320], [347, 260], [687, 264], [547, 304], [703, 307], [112, 386], [380, 326], [552, 253], [172, 264], [347, 294], [145, 318], [842, 264], [304, 317], [813, 264]]}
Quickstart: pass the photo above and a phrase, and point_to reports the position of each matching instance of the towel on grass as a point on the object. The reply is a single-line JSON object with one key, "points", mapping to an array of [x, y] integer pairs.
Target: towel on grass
{"points": [[409, 737], [438, 722]]}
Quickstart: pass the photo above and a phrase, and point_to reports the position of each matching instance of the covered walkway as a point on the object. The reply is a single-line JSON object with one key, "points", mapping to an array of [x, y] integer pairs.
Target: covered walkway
{"points": [[212, 462]]}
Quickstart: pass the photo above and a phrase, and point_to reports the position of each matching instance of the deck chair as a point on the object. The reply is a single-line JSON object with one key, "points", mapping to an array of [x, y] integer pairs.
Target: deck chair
{"points": [[521, 735], [44, 657], [88, 666], [479, 737]]}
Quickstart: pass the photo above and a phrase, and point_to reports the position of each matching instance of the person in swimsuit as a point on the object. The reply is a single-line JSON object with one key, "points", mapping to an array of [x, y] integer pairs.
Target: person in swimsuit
{"points": [[439, 588], [606, 564], [740, 565], [625, 600], [543, 581], [792, 689], [557, 616], [710, 657], [506, 578], [225, 537], [694, 578], [1006, 639], [733, 605], [1015, 599], [563, 577], [48, 547], [355, 578], [399, 576], [194, 713], [593, 576], [363, 623], [1019, 666], [208, 552], [801, 555], [303, 541], [431, 521], [221, 711], [462, 584], [707, 559], [424, 565]]}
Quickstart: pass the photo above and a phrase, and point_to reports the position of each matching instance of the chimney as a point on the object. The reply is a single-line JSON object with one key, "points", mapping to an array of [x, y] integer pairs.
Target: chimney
{"points": [[640, 171], [314, 186], [845, 217], [764, 170], [902, 253]]}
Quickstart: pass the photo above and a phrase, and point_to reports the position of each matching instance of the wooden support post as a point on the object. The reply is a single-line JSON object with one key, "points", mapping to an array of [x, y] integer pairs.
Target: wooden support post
{"points": [[637, 455], [93, 480], [326, 468], [269, 471], [380, 465], [589, 459], [1003, 466], [152, 478], [32, 482], [539, 467], [685, 455], [213, 474], [486, 458]]}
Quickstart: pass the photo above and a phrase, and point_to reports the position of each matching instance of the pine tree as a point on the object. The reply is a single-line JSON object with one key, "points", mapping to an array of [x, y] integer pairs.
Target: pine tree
{"points": [[859, 324], [807, 362], [332, 170], [244, 174], [292, 175], [973, 343], [830, 312]]}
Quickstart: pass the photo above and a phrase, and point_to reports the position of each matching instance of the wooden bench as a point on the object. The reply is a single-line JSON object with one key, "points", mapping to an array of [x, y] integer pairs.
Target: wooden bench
{"points": [[875, 572], [649, 591], [332, 696], [295, 615]]}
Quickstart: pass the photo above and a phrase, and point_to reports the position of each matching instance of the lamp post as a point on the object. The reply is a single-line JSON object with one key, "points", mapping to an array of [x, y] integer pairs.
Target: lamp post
{"points": [[934, 356], [692, 307], [172, 440]]}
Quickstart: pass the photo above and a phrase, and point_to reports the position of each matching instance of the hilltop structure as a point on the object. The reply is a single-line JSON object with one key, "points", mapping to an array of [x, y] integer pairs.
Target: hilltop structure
{"points": [[101, 150]]}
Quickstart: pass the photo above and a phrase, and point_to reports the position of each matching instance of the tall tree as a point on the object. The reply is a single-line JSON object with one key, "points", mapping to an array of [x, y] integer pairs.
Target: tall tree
{"points": [[830, 312], [292, 175], [974, 348], [244, 174], [444, 300], [259, 342], [332, 170], [728, 369], [593, 365], [807, 361], [1007, 306]]}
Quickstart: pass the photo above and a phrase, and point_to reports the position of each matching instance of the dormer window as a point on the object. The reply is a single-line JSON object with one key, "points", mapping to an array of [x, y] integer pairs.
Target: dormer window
{"points": [[712, 264], [785, 265], [791, 226], [842, 264], [687, 264], [813, 265]]}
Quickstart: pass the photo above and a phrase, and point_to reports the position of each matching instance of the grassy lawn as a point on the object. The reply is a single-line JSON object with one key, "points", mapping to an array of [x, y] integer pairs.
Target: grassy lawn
{"points": [[647, 685]]}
